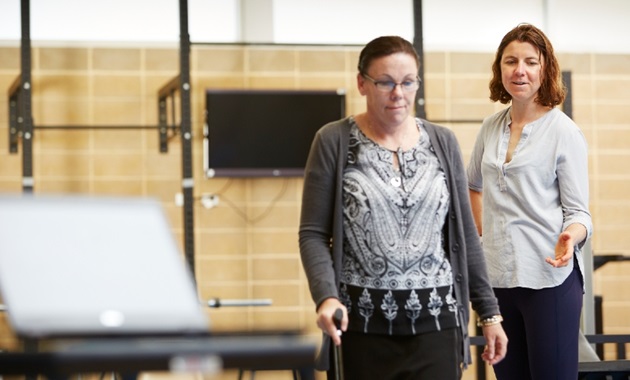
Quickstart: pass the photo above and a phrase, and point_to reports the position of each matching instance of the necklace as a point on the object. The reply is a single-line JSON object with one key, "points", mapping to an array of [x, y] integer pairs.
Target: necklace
{"points": [[390, 141]]}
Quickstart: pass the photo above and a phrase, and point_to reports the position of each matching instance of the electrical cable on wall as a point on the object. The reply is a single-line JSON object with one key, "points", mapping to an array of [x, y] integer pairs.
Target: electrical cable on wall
{"points": [[213, 199]]}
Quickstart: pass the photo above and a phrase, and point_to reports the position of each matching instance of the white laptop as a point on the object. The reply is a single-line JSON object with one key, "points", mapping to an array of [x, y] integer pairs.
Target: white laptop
{"points": [[91, 266]]}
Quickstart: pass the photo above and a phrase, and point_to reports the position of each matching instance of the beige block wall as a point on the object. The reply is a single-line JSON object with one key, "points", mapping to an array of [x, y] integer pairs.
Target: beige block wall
{"points": [[246, 247]]}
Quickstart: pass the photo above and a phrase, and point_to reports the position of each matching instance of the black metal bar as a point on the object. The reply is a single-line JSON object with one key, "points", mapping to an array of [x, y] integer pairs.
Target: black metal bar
{"points": [[15, 119], [64, 360], [13, 123], [621, 350], [620, 341], [25, 103], [599, 325], [598, 262], [419, 46], [186, 137], [207, 43], [608, 338], [173, 109], [477, 340], [601, 260], [567, 106], [117, 127], [30, 346], [162, 134]]}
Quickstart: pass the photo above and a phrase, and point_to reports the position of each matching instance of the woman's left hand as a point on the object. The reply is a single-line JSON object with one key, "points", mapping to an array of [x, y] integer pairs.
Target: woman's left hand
{"points": [[564, 251], [496, 344]]}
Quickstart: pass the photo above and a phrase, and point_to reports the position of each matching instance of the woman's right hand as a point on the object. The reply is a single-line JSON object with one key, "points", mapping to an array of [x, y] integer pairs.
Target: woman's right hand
{"points": [[325, 318]]}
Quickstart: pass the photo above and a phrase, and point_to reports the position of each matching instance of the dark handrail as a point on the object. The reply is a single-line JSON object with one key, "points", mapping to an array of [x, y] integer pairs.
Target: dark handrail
{"points": [[600, 260], [65, 127]]}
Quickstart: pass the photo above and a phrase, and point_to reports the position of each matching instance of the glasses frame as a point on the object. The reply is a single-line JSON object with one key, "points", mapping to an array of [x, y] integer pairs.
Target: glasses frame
{"points": [[385, 85]]}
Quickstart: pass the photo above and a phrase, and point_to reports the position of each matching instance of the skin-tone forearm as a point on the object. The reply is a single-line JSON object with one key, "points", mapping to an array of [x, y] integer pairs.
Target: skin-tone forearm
{"points": [[477, 208], [573, 235]]}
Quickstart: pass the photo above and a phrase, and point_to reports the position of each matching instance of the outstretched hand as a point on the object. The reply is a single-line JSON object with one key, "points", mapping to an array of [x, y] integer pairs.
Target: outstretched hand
{"points": [[564, 251]]}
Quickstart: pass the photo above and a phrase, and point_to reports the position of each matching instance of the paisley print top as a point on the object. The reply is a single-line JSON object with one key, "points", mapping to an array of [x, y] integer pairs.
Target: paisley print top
{"points": [[396, 277]]}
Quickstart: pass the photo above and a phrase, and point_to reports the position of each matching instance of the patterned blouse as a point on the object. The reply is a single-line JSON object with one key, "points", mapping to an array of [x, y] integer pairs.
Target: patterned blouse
{"points": [[396, 278]]}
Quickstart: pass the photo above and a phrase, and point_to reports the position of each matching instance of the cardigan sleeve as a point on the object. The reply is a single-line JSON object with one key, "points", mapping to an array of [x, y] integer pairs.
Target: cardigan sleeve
{"points": [[316, 219]]}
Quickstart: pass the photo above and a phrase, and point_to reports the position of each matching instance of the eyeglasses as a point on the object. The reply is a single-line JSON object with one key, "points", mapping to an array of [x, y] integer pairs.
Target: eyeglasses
{"points": [[389, 86]]}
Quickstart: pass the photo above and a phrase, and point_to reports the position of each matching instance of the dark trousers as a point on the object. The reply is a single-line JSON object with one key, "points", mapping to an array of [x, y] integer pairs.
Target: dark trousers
{"points": [[429, 356], [542, 327]]}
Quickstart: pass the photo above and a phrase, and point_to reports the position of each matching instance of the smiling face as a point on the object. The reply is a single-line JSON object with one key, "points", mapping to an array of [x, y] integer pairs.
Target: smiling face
{"points": [[521, 71], [393, 107]]}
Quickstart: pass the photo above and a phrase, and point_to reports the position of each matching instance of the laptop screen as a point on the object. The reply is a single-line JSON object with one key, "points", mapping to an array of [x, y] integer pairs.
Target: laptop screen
{"points": [[79, 265]]}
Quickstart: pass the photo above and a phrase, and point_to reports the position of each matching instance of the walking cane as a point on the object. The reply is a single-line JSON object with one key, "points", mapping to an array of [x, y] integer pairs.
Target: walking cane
{"points": [[338, 357]]}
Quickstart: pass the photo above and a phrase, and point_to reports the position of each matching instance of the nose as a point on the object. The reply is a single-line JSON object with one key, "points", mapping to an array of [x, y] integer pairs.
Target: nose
{"points": [[520, 68], [397, 90]]}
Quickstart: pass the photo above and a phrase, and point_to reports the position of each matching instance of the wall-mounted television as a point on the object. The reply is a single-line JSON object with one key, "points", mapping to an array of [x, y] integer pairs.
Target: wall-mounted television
{"points": [[265, 133]]}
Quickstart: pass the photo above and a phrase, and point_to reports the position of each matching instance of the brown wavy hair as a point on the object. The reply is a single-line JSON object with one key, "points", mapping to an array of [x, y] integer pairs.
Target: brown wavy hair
{"points": [[552, 91], [382, 47]]}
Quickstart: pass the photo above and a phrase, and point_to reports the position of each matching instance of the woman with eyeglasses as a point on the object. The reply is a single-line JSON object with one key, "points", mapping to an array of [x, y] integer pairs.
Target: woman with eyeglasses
{"points": [[528, 179], [387, 235]]}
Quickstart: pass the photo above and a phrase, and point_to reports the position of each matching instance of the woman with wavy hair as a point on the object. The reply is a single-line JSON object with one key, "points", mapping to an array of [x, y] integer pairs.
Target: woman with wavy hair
{"points": [[528, 182]]}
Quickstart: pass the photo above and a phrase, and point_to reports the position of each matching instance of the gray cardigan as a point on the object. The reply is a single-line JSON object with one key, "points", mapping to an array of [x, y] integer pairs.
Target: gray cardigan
{"points": [[321, 226]]}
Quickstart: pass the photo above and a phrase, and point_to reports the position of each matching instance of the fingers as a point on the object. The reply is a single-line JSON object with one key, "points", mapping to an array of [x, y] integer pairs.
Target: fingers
{"points": [[488, 353], [326, 324], [564, 251], [490, 356], [496, 344], [562, 262], [494, 353], [325, 320]]}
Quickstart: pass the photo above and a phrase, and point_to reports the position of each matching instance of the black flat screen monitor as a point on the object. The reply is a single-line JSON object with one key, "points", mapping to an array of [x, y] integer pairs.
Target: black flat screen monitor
{"points": [[264, 133]]}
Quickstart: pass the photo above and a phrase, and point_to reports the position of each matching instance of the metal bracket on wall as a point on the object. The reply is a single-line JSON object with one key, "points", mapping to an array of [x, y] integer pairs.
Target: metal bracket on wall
{"points": [[165, 93], [166, 131], [15, 120]]}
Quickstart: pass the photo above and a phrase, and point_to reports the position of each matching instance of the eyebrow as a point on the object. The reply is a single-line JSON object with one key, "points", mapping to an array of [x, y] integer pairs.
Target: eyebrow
{"points": [[529, 57], [390, 78]]}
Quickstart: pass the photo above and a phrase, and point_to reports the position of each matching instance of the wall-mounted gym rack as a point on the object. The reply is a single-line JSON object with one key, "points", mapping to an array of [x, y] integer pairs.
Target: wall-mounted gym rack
{"points": [[21, 125]]}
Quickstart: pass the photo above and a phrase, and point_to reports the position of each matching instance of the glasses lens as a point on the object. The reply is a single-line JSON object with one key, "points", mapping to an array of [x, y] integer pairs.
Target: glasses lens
{"points": [[410, 85], [385, 86], [389, 86]]}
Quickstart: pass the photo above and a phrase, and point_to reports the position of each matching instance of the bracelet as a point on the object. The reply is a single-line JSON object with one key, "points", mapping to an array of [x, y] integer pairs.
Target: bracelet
{"points": [[494, 320]]}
